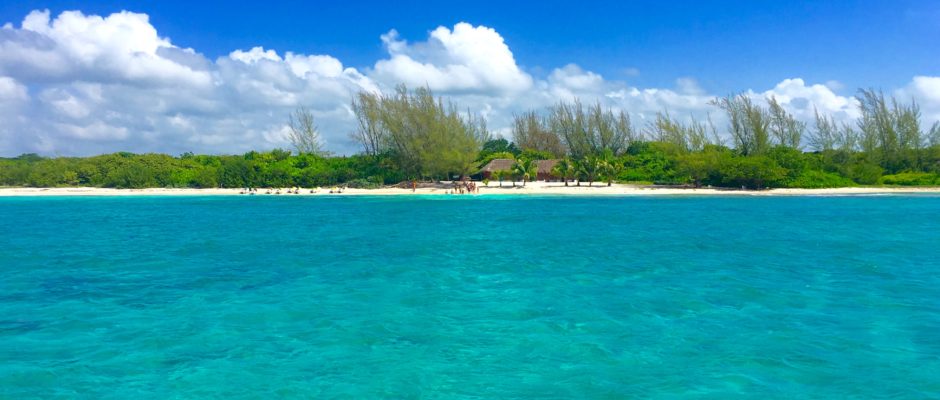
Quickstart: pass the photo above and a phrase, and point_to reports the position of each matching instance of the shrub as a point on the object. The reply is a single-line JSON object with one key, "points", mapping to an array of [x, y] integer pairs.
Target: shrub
{"points": [[364, 183], [864, 173], [819, 180], [755, 172], [910, 179]]}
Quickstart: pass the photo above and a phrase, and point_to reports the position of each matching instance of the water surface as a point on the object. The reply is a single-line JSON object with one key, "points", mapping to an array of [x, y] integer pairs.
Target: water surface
{"points": [[457, 297]]}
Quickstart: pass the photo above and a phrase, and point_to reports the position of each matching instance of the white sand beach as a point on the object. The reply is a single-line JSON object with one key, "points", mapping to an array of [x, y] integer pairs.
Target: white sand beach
{"points": [[531, 188]]}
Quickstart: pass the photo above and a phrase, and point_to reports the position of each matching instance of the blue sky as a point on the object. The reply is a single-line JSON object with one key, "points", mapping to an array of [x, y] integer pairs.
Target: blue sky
{"points": [[83, 77], [725, 45]]}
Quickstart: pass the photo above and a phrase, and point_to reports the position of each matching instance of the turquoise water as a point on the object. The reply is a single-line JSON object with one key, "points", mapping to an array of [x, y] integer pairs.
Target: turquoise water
{"points": [[457, 297]]}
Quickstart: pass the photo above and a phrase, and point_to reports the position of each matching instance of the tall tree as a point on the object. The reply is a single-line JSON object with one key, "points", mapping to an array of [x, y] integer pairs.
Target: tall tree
{"points": [[684, 137], [570, 123], [933, 137], [749, 123], [425, 136], [370, 133], [531, 132], [498, 145], [609, 131], [785, 128], [890, 132], [847, 139], [590, 131], [303, 132], [826, 135]]}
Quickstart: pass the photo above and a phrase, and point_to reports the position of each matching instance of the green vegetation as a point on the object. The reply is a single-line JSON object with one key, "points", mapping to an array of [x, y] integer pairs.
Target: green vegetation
{"points": [[411, 135], [525, 169], [304, 135], [422, 136], [277, 168]]}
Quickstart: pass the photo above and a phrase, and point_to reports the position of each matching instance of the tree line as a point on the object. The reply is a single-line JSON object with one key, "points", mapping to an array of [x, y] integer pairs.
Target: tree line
{"points": [[413, 135], [767, 145], [276, 168]]}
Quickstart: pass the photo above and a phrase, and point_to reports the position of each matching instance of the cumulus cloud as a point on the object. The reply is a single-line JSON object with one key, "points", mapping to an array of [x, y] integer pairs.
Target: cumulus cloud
{"points": [[572, 80], [86, 84], [77, 84], [13, 96], [122, 47], [801, 99], [926, 91], [926, 87], [469, 58]]}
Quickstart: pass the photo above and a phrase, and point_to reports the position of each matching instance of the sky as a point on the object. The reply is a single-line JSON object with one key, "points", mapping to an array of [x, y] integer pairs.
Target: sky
{"points": [[90, 77]]}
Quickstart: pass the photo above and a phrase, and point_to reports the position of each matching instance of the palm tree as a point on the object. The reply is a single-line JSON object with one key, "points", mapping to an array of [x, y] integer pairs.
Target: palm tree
{"points": [[498, 174], [610, 166], [525, 169], [589, 167], [565, 168]]}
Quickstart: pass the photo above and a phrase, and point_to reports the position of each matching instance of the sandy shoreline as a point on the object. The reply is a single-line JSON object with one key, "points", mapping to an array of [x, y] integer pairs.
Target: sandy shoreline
{"points": [[532, 188]]}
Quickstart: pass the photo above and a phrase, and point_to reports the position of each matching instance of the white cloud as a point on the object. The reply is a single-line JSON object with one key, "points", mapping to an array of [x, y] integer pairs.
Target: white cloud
{"points": [[112, 83], [13, 97], [468, 58], [800, 99], [576, 80], [66, 103], [11, 90], [927, 88], [254, 55], [121, 47], [926, 91], [96, 130], [77, 84]]}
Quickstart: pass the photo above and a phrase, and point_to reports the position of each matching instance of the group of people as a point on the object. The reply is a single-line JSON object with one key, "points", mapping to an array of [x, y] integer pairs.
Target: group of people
{"points": [[464, 187]]}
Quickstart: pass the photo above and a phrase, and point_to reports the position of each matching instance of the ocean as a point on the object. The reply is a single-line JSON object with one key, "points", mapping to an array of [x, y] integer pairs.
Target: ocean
{"points": [[460, 297]]}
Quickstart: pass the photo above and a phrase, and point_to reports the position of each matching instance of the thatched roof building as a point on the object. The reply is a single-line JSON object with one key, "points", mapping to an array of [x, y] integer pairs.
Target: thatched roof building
{"points": [[497, 164], [545, 169], [505, 164]]}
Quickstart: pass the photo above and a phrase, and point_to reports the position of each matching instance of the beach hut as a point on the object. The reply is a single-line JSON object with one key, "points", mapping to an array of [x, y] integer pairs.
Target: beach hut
{"points": [[497, 164], [505, 164], [545, 170]]}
